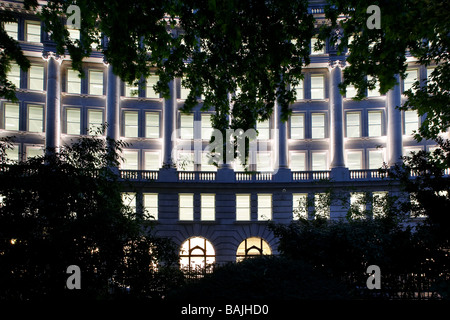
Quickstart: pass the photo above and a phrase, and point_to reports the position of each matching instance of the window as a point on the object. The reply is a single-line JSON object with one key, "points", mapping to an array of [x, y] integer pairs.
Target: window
{"points": [[317, 87], [264, 161], [313, 50], [185, 161], [131, 90], [264, 207], [131, 127], [34, 151], [11, 116], [208, 207], [300, 206], [130, 160], [351, 91], [429, 72], [150, 206], [322, 205], [73, 118], [298, 161], [73, 81], [376, 91], [297, 126], [196, 254], [129, 200], [411, 122], [152, 125], [187, 126], [14, 75], [12, 29], [149, 91], [317, 125], [96, 82], [32, 31], [263, 129], [186, 206], [353, 120], [207, 129], [74, 34], [374, 118], [357, 204], [375, 159], [319, 161], [13, 154], [411, 77], [299, 94], [252, 247], [152, 160], [379, 199], [354, 160], [95, 120], [36, 78], [35, 118], [184, 92], [243, 207], [207, 164]]}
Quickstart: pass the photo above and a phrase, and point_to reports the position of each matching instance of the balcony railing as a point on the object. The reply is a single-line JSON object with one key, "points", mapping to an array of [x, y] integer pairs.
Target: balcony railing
{"points": [[253, 176], [139, 175], [310, 175], [196, 176], [367, 174]]}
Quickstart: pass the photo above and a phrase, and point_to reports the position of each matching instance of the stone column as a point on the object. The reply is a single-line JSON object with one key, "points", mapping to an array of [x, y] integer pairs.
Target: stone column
{"points": [[282, 171], [112, 104], [53, 103], [394, 128]]}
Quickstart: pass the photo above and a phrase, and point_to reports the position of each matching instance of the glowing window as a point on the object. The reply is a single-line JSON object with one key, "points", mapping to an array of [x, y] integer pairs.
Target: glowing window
{"points": [[252, 247], [197, 253]]}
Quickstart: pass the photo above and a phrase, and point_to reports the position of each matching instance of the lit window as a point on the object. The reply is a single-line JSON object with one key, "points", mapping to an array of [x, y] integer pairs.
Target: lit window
{"points": [[263, 129], [150, 206], [152, 160], [354, 160], [313, 50], [207, 129], [129, 200], [131, 126], [74, 34], [33, 151], [186, 206], [379, 199], [152, 125], [264, 161], [252, 247], [73, 82], [374, 123], [149, 91], [35, 118], [243, 207], [322, 205], [12, 154], [131, 90], [353, 124], [14, 75], [73, 117], [184, 92], [95, 120], [11, 117], [187, 126], [351, 91], [11, 29], [297, 126], [264, 207], [300, 205], [197, 254], [207, 164], [96, 82], [298, 161], [299, 91], [32, 31], [376, 91], [185, 161], [319, 161], [317, 87], [411, 122], [36, 78], [130, 160], [317, 125], [208, 207], [411, 77], [357, 204], [375, 159]]}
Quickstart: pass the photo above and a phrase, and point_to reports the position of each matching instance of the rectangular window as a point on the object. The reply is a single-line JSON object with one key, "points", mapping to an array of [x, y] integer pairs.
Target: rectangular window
{"points": [[264, 161], [12, 29], [73, 82], [185, 161], [36, 78], [351, 91], [299, 93], [317, 125], [34, 151], [149, 91], [95, 120], [379, 200], [297, 126], [131, 90], [207, 164], [263, 129], [207, 129], [208, 207], [317, 86], [184, 92], [74, 34], [357, 204], [243, 207], [411, 122], [187, 126], [354, 160], [429, 72], [376, 91], [319, 161], [13, 154], [186, 206], [130, 160], [300, 206], [150, 206], [35, 118], [411, 77], [322, 205], [73, 118], [375, 123], [298, 161], [32, 31], [353, 121], [152, 125], [152, 160], [375, 159], [129, 200], [313, 50], [14, 75], [131, 124], [11, 116], [264, 207], [96, 82]]}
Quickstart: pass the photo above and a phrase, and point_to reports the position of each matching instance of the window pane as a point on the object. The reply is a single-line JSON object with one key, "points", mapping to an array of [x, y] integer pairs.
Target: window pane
{"points": [[411, 122], [353, 124], [36, 78], [317, 87], [298, 161], [35, 118], [319, 161], [351, 91], [95, 120], [314, 51], [321, 205], [14, 75], [207, 129], [186, 206], [185, 161], [264, 206], [73, 82], [299, 91], [411, 77], [354, 160], [95, 82], [187, 126], [375, 159], [375, 92], [73, 121], [150, 206], [131, 90], [11, 117], [152, 161], [184, 92], [207, 207], [130, 160], [297, 126], [11, 29], [152, 125], [33, 31], [300, 205], [131, 124], [318, 125], [34, 152], [374, 123], [150, 93], [263, 129]]}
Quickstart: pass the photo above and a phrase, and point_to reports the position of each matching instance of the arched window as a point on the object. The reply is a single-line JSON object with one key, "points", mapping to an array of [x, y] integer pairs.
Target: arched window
{"points": [[197, 253], [251, 247]]}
